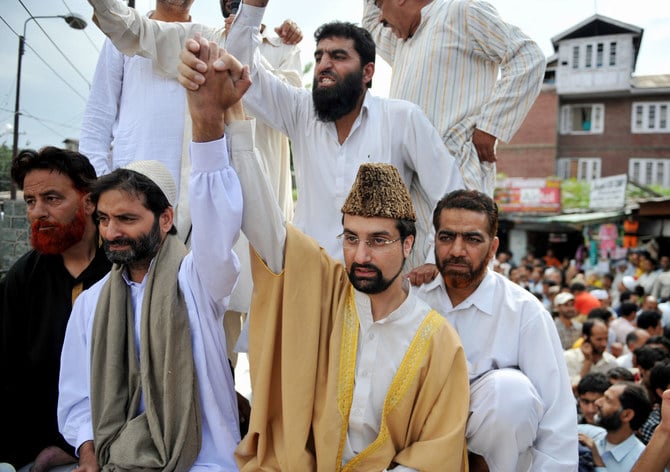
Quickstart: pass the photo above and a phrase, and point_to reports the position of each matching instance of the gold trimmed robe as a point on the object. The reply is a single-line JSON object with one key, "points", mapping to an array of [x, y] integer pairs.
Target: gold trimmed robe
{"points": [[302, 355]]}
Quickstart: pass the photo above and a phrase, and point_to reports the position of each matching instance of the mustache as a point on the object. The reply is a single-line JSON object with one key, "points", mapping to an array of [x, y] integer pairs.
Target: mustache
{"points": [[120, 241], [456, 260], [356, 265]]}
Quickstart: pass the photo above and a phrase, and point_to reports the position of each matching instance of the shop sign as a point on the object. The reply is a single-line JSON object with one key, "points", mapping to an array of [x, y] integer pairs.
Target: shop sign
{"points": [[529, 196]]}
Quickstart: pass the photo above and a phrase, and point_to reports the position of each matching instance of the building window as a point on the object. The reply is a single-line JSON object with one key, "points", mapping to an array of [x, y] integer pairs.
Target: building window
{"points": [[600, 50], [580, 168], [650, 117], [649, 171], [582, 119], [575, 57], [589, 56], [612, 54]]}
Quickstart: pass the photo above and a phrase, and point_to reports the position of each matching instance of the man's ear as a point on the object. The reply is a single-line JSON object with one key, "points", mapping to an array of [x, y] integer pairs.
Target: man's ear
{"points": [[407, 245], [368, 72], [627, 415], [166, 220], [89, 206]]}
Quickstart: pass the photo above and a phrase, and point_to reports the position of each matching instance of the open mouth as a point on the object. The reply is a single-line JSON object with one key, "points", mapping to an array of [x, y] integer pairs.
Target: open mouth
{"points": [[326, 80]]}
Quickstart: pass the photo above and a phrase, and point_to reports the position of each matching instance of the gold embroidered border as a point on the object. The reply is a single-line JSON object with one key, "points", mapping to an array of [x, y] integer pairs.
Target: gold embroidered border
{"points": [[407, 372], [347, 369]]}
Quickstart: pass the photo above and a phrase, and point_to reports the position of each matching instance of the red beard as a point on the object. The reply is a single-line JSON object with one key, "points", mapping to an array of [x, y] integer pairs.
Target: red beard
{"points": [[58, 237]]}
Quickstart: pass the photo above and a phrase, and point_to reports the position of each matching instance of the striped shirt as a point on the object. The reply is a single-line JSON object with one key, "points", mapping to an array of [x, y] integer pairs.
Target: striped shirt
{"points": [[450, 68]]}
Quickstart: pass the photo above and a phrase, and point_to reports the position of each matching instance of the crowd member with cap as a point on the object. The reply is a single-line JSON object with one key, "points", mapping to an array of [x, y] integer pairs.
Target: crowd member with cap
{"points": [[569, 330], [176, 409], [371, 377], [604, 298]]}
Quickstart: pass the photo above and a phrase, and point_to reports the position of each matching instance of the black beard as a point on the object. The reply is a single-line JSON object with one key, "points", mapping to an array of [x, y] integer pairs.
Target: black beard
{"points": [[143, 248], [459, 279], [610, 423], [332, 103], [374, 285]]}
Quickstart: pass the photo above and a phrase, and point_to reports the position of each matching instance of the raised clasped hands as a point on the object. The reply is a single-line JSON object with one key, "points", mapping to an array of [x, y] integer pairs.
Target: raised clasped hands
{"points": [[214, 81]]}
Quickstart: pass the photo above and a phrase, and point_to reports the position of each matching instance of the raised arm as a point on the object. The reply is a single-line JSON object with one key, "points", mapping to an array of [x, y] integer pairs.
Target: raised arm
{"points": [[656, 456], [262, 219], [384, 38], [272, 98], [214, 189], [134, 34], [521, 63]]}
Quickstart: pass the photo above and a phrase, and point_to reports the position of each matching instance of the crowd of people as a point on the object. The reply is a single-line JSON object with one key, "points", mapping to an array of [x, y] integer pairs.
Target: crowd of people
{"points": [[384, 328], [612, 327]]}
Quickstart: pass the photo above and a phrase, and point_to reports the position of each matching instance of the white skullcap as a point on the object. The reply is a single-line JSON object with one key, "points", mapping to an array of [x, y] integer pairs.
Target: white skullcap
{"points": [[629, 282], [158, 174], [600, 294], [563, 298]]}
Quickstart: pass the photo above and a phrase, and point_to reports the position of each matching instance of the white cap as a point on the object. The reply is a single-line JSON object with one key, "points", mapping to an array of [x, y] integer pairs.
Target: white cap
{"points": [[600, 294], [629, 282], [158, 174], [563, 298]]}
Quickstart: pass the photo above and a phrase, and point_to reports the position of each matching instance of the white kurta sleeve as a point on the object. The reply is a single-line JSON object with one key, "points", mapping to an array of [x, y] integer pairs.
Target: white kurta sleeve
{"points": [[384, 38], [74, 407], [135, 34], [521, 63], [102, 109], [262, 221], [269, 98], [216, 214]]}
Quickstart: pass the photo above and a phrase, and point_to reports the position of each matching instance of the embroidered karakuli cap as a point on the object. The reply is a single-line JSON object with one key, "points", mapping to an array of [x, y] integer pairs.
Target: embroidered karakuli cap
{"points": [[378, 191]]}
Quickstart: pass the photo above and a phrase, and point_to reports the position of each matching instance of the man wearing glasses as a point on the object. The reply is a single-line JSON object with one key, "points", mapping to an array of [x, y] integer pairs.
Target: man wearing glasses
{"points": [[349, 369]]}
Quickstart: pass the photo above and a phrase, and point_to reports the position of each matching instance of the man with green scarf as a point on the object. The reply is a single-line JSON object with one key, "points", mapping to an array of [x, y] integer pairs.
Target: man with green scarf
{"points": [[145, 382]]}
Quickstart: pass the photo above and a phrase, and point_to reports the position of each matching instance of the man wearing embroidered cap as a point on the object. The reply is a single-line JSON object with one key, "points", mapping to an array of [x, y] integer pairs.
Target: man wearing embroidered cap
{"points": [[389, 374], [349, 369], [145, 383]]}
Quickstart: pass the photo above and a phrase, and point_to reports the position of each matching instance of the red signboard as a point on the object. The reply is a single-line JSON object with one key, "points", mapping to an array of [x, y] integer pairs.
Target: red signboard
{"points": [[529, 196]]}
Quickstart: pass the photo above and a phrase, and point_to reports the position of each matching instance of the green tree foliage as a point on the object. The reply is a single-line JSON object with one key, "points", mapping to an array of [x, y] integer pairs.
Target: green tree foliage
{"points": [[5, 165], [575, 194]]}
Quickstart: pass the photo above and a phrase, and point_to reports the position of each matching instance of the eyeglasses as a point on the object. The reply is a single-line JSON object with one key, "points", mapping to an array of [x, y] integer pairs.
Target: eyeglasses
{"points": [[377, 243]]}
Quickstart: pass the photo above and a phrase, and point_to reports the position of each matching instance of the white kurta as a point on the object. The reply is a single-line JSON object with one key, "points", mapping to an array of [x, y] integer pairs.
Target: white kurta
{"points": [[450, 67], [206, 278], [138, 111], [162, 42], [502, 326], [391, 131]]}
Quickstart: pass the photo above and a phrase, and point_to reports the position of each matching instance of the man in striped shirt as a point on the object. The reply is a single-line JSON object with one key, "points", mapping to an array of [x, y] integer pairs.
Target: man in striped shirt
{"points": [[446, 56]]}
